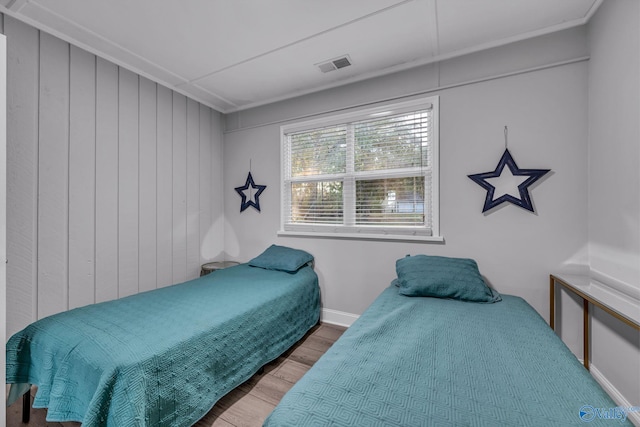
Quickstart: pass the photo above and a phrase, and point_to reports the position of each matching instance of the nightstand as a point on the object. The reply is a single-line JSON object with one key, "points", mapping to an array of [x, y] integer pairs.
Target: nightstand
{"points": [[215, 265]]}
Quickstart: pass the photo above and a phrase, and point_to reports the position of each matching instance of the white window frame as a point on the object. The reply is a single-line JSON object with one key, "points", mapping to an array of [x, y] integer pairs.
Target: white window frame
{"points": [[348, 231]]}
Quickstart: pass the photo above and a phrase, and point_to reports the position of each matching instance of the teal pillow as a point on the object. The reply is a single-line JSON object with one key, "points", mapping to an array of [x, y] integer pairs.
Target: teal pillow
{"points": [[282, 258], [443, 277]]}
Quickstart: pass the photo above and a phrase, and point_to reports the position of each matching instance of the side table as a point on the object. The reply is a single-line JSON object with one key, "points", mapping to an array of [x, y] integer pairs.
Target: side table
{"points": [[215, 265], [597, 294]]}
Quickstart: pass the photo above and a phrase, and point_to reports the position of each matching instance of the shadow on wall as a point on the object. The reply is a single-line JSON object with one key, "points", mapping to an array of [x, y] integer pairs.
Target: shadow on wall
{"points": [[617, 328], [568, 319], [212, 247]]}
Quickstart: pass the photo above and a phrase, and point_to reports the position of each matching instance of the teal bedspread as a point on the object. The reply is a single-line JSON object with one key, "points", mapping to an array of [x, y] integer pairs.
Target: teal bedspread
{"points": [[163, 358], [438, 362]]}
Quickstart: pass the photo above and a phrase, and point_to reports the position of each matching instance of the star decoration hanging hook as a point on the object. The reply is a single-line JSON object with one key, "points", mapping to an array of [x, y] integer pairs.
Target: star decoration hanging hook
{"points": [[249, 201]]}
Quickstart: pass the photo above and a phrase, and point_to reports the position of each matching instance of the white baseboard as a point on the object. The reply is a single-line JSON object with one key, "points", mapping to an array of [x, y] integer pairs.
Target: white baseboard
{"points": [[335, 317], [617, 397]]}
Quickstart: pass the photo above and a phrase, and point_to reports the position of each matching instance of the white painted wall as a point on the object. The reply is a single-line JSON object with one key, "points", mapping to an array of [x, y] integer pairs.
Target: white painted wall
{"points": [[546, 112], [114, 182], [614, 182]]}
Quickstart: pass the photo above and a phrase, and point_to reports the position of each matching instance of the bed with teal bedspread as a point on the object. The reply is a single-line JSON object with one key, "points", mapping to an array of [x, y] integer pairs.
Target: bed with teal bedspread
{"points": [[164, 357], [444, 362]]}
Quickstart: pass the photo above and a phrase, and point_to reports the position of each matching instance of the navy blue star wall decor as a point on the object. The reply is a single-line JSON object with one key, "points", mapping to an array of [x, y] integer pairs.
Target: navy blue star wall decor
{"points": [[529, 176], [249, 201]]}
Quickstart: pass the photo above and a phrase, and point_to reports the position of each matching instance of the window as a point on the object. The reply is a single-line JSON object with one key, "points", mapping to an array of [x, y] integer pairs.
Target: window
{"points": [[371, 173]]}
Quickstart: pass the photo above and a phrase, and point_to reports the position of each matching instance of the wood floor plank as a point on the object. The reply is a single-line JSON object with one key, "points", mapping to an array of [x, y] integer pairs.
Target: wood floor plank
{"points": [[331, 332], [318, 343], [305, 355], [291, 371], [272, 366], [247, 411], [212, 420], [267, 387]]}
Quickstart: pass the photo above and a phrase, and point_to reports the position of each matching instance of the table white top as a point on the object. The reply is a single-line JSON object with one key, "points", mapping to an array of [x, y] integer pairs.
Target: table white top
{"points": [[623, 304]]}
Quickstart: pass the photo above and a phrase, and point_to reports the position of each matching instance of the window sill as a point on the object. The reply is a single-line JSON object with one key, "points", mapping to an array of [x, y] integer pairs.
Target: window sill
{"points": [[363, 236]]}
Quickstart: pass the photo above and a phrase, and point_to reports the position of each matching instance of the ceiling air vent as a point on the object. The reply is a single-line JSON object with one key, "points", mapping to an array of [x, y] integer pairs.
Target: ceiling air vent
{"points": [[334, 64]]}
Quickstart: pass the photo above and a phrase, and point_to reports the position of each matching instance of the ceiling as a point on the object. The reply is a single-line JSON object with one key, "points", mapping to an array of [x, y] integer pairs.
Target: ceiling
{"points": [[237, 54]]}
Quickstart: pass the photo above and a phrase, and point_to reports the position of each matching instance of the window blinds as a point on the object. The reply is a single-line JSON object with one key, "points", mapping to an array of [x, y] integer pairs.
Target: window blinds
{"points": [[371, 174]]}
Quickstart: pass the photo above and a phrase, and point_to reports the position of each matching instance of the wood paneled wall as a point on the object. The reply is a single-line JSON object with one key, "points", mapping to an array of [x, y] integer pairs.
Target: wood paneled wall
{"points": [[114, 182]]}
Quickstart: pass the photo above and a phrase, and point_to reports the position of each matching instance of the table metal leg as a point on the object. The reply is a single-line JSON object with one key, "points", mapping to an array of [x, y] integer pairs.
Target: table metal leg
{"points": [[585, 331], [552, 303]]}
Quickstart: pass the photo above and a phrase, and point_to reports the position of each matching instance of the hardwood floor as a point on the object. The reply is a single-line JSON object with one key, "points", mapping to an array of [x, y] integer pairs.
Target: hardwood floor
{"points": [[250, 403]]}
